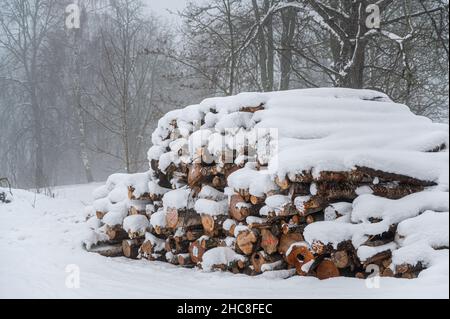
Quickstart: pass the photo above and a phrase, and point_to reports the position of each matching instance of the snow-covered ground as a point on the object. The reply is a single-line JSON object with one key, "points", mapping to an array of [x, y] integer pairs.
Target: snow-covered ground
{"points": [[40, 239]]}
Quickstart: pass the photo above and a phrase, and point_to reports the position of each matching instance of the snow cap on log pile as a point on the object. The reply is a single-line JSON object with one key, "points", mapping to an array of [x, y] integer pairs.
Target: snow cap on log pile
{"points": [[177, 199], [332, 130]]}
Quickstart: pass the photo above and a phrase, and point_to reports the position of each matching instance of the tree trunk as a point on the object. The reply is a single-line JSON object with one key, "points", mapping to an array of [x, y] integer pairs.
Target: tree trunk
{"points": [[288, 17]]}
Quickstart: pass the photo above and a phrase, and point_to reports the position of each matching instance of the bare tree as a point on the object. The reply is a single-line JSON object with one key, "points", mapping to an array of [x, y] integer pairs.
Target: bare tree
{"points": [[124, 100], [24, 26]]}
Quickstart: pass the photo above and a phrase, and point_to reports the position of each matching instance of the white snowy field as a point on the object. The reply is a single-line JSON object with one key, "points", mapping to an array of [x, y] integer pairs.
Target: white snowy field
{"points": [[40, 237]]}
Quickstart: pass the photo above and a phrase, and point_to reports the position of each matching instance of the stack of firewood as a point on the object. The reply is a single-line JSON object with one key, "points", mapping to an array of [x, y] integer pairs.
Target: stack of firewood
{"points": [[223, 206]]}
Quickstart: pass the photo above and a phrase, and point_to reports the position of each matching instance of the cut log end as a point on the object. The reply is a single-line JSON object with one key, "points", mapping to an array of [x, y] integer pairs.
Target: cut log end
{"points": [[326, 270], [131, 247]]}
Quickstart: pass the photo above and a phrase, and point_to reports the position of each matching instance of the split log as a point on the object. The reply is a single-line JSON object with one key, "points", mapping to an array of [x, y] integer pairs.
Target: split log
{"points": [[116, 233], [212, 225], [269, 242], [182, 218], [247, 241], [131, 247]]}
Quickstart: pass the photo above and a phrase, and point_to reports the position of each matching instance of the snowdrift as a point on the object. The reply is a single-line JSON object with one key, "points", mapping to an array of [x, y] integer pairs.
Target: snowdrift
{"points": [[324, 182]]}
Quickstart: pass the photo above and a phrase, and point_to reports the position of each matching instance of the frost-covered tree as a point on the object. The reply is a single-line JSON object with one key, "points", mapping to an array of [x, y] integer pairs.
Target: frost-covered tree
{"points": [[24, 29]]}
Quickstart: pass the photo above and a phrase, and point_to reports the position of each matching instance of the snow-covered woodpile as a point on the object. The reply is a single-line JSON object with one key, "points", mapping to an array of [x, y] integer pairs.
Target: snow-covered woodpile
{"points": [[318, 182], [6, 195]]}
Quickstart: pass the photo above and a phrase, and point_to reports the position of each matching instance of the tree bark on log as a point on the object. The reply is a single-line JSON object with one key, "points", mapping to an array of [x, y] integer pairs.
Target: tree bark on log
{"points": [[360, 175], [182, 218], [108, 250]]}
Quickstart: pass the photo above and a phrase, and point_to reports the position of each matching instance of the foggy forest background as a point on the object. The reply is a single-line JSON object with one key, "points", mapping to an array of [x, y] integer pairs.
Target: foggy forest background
{"points": [[79, 104]]}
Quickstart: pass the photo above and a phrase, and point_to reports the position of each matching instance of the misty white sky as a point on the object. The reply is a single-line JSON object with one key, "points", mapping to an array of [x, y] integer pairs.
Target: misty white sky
{"points": [[160, 7]]}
